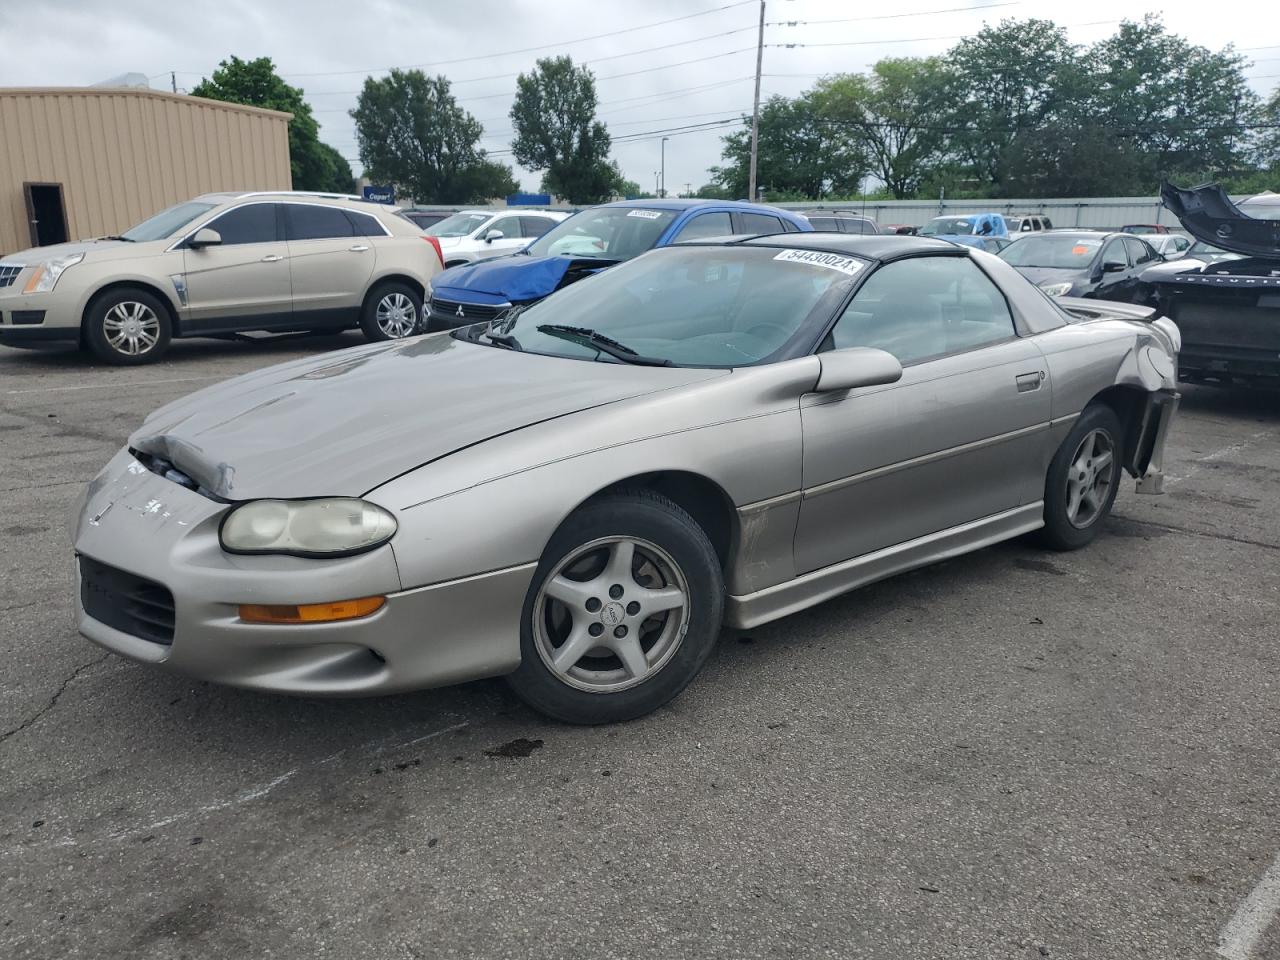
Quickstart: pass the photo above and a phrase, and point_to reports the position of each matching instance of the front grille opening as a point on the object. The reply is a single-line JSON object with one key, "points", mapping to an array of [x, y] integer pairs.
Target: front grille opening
{"points": [[126, 602], [9, 273], [470, 311]]}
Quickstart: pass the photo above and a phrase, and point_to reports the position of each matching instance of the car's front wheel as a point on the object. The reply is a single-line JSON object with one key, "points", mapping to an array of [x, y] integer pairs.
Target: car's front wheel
{"points": [[391, 311], [623, 611], [1084, 477], [127, 326]]}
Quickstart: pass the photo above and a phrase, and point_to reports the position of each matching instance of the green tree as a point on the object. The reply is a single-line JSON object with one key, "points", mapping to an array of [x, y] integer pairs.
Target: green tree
{"points": [[798, 154], [1266, 150], [1004, 81], [554, 115], [892, 115], [256, 83], [412, 133], [1181, 108]]}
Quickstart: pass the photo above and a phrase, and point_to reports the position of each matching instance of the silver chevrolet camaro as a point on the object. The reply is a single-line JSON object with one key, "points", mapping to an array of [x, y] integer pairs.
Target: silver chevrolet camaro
{"points": [[581, 494]]}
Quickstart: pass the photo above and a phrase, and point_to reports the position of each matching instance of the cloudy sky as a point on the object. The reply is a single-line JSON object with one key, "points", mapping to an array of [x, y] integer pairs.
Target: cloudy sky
{"points": [[657, 67]]}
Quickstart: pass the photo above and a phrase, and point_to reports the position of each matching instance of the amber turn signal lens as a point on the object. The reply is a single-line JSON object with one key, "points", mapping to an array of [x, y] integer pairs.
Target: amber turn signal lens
{"points": [[36, 275], [310, 612]]}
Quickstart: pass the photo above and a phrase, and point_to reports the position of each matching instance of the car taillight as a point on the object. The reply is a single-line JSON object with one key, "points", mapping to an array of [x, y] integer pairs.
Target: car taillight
{"points": [[435, 245]]}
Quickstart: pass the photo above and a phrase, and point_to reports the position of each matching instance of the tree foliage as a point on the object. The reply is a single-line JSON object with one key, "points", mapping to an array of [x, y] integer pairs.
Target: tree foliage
{"points": [[412, 133], [554, 115], [314, 165], [799, 154], [1018, 110]]}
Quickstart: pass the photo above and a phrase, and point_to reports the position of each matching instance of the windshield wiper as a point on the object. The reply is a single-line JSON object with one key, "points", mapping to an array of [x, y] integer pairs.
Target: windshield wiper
{"points": [[122, 237], [502, 340], [597, 340]]}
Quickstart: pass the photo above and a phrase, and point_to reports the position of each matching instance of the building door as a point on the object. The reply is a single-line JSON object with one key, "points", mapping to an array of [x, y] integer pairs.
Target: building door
{"points": [[46, 213]]}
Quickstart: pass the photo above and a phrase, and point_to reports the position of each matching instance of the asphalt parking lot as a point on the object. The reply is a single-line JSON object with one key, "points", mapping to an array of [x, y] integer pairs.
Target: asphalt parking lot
{"points": [[1010, 755]]}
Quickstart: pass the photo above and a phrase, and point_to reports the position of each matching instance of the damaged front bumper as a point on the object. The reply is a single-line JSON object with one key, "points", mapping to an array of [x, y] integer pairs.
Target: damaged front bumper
{"points": [[1147, 457]]}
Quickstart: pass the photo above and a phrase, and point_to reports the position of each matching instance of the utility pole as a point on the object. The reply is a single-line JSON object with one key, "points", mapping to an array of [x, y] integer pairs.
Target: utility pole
{"points": [[755, 110], [173, 80], [662, 184]]}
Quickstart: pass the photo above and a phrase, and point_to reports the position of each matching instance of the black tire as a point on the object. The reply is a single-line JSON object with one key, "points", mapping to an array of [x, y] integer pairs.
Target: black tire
{"points": [[654, 522], [391, 297], [1064, 530], [128, 326]]}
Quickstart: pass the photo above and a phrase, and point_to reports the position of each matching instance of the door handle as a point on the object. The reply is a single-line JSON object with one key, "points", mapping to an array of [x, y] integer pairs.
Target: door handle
{"points": [[1029, 381], [271, 258], [359, 248]]}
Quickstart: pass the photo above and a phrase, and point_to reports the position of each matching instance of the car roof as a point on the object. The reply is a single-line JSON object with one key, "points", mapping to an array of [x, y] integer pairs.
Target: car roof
{"points": [[690, 203], [869, 246]]}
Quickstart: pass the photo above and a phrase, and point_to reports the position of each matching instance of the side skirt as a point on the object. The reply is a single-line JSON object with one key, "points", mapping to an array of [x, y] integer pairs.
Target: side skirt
{"points": [[813, 588]]}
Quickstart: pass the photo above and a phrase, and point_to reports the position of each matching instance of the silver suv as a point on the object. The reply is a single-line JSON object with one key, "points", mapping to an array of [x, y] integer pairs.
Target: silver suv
{"points": [[223, 263]]}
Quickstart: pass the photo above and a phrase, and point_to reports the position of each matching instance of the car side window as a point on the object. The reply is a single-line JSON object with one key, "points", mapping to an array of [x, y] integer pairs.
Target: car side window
{"points": [[252, 223], [706, 225], [759, 223], [535, 226], [826, 224], [311, 221], [510, 227], [925, 307], [365, 225], [1114, 252], [1139, 252]]}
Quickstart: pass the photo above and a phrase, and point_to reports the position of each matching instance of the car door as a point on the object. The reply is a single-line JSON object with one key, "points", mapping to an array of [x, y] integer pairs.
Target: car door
{"points": [[1112, 282], [244, 279], [512, 238], [959, 438], [330, 263]]}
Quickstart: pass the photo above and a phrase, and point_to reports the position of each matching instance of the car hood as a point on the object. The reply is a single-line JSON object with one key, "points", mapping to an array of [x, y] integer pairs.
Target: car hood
{"points": [[343, 423], [35, 254], [1207, 213], [516, 279], [1044, 275]]}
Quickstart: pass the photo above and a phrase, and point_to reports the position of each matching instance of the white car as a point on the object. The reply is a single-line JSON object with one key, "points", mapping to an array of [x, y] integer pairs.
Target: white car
{"points": [[472, 235], [1171, 246]]}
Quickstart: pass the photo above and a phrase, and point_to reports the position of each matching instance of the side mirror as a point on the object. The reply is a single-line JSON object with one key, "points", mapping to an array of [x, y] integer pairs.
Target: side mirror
{"points": [[1114, 266], [492, 235], [857, 367], [205, 237]]}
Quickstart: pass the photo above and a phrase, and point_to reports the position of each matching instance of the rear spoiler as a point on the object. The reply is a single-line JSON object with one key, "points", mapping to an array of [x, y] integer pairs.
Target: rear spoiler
{"points": [[1207, 213]]}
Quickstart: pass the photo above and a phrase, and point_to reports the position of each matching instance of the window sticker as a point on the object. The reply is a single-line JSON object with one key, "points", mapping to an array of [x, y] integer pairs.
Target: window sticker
{"points": [[832, 261], [645, 214]]}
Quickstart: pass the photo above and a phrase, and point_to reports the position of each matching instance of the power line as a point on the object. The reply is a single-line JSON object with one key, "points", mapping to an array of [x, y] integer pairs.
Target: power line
{"points": [[872, 43], [893, 16], [545, 46]]}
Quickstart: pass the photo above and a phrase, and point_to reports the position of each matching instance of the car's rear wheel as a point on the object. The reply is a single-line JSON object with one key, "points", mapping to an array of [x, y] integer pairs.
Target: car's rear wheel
{"points": [[391, 311], [623, 611], [127, 326], [1083, 480]]}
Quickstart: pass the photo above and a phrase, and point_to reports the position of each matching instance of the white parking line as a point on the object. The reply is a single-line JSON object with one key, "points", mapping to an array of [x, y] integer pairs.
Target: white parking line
{"points": [[1244, 931], [117, 384], [1227, 451]]}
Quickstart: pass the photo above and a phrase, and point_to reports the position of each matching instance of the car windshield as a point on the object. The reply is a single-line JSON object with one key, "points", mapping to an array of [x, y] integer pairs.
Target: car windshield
{"points": [[712, 306], [167, 222], [610, 233], [1139, 228], [947, 226], [459, 225], [1066, 252]]}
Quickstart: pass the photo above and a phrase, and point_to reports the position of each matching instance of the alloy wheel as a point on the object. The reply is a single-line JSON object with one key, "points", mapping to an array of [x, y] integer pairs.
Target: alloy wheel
{"points": [[131, 328], [1090, 477], [611, 614], [396, 315]]}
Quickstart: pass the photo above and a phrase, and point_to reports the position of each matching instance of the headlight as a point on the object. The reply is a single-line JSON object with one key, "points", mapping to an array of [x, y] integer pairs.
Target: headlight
{"points": [[47, 273], [1056, 289], [332, 527]]}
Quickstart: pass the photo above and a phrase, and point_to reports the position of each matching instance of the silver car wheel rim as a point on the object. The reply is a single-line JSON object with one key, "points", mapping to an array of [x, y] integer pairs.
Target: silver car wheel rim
{"points": [[611, 614], [1089, 478], [131, 328], [397, 315]]}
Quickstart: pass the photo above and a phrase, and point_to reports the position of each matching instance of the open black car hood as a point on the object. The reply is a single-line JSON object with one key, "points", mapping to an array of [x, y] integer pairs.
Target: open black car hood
{"points": [[1208, 214]]}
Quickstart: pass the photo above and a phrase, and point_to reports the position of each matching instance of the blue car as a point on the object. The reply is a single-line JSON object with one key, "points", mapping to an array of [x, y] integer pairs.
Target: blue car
{"points": [[970, 230], [586, 243]]}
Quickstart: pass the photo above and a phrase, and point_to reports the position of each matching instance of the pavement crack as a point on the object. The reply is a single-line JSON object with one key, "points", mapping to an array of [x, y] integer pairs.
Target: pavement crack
{"points": [[1171, 528], [53, 700]]}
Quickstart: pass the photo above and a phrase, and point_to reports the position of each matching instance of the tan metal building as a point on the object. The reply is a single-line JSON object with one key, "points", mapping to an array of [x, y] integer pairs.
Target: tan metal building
{"points": [[78, 162]]}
